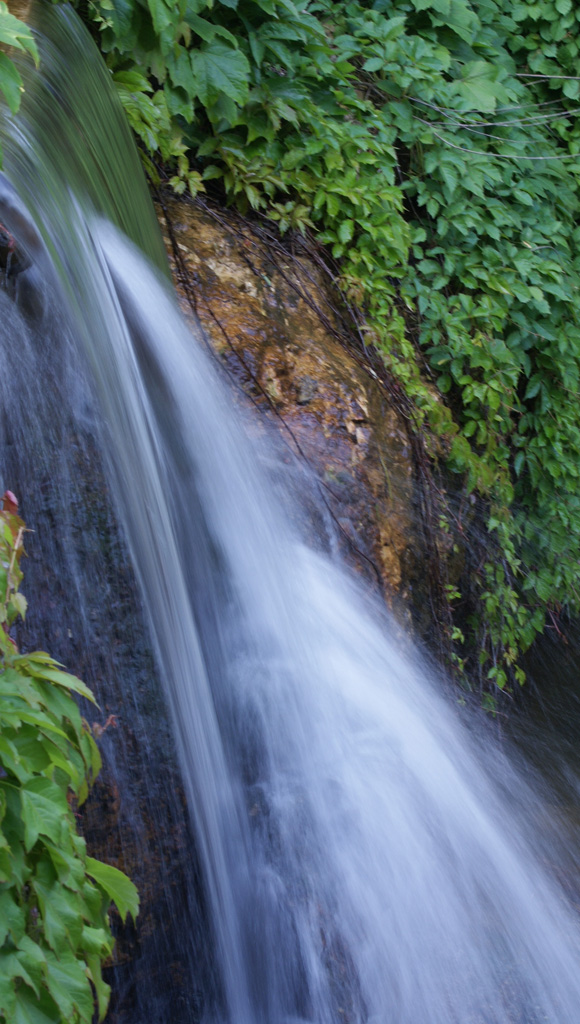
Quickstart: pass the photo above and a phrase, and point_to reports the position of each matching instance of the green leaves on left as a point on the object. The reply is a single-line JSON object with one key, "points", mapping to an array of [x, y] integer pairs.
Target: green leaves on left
{"points": [[13, 33], [16, 34], [54, 899]]}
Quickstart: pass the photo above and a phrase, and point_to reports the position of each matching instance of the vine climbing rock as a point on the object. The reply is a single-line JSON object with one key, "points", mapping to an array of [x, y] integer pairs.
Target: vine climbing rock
{"points": [[269, 317]]}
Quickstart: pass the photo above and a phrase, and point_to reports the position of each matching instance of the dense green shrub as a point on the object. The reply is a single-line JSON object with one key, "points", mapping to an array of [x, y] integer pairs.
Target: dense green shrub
{"points": [[54, 899]]}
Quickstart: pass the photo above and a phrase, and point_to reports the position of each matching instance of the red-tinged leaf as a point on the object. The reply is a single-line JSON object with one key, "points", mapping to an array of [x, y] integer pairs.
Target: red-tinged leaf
{"points": [[10, 502]]}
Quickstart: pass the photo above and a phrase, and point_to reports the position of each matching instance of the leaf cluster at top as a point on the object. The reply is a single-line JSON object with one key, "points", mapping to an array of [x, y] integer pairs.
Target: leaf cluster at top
{"points": [[13, 33], [54, 899]]}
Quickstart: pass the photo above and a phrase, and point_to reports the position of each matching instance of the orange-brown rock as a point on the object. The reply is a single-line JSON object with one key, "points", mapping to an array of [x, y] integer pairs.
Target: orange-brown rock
{"points": [[19, 8], [270, 319]]}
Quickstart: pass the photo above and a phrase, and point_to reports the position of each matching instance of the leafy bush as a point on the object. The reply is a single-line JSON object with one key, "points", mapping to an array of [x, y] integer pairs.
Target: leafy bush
{"points": [[54, 899]]}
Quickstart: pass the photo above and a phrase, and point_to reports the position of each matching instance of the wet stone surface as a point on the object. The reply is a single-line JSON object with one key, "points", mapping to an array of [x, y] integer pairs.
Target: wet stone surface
{"points": [[84, 607], [270, 320]]}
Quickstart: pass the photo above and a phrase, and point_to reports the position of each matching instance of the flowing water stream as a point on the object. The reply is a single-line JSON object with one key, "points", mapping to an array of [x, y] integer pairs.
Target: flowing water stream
{"points": [[355, 855]]}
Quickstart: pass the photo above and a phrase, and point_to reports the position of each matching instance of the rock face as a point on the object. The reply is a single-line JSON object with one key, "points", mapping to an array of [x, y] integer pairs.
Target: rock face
{"points": [[269, 318]]}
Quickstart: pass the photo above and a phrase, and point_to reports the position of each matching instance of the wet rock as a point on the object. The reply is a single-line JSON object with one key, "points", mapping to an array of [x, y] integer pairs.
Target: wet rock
{"points": [[20, 9], [269, 318], [86, 610]]}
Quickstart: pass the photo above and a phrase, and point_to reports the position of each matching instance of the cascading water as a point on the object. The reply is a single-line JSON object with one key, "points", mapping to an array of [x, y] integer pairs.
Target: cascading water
{"points": [[357, 863]]}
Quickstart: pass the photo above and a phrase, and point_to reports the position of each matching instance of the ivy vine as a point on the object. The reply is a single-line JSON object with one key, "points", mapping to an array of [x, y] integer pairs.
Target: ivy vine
{"points": [[54, 899]]}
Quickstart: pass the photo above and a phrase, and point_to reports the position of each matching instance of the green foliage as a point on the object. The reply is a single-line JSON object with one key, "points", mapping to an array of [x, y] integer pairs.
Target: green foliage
{"points": [[54, 900], [434, 147], [15, 34]]}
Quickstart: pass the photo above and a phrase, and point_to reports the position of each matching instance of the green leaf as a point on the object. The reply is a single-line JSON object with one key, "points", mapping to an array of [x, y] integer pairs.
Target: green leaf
{"points": [[44, 810], [12, 919], [30, 1010], [346, 231], [220, 69], [33, 958], [533, 387], [62, 913], [117, 886], [180, 71], [41, 657], [15, 33], [102, 989], [11, 86], [11, 966], [207, 30], [134, 81], [69, 867], [204, 29], [35, 667], [14, 684], [441, 6], [479, 86], [7, 997], [28, 744], [571, 89], [161, 15], [519, 462], [69, 986], [373, 64], [96, 940], [65, 760]]}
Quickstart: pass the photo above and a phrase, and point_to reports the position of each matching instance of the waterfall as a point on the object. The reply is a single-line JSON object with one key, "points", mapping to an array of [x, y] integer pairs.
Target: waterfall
{"points": [[355, 858]]}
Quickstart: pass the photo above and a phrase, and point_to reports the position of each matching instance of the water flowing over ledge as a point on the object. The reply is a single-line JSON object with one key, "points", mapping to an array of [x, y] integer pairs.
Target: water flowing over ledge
{"points": [[353, 858]]}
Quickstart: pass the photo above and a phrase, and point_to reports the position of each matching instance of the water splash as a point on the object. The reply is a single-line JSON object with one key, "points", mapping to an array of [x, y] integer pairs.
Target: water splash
{"points": [[358, 862]]}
